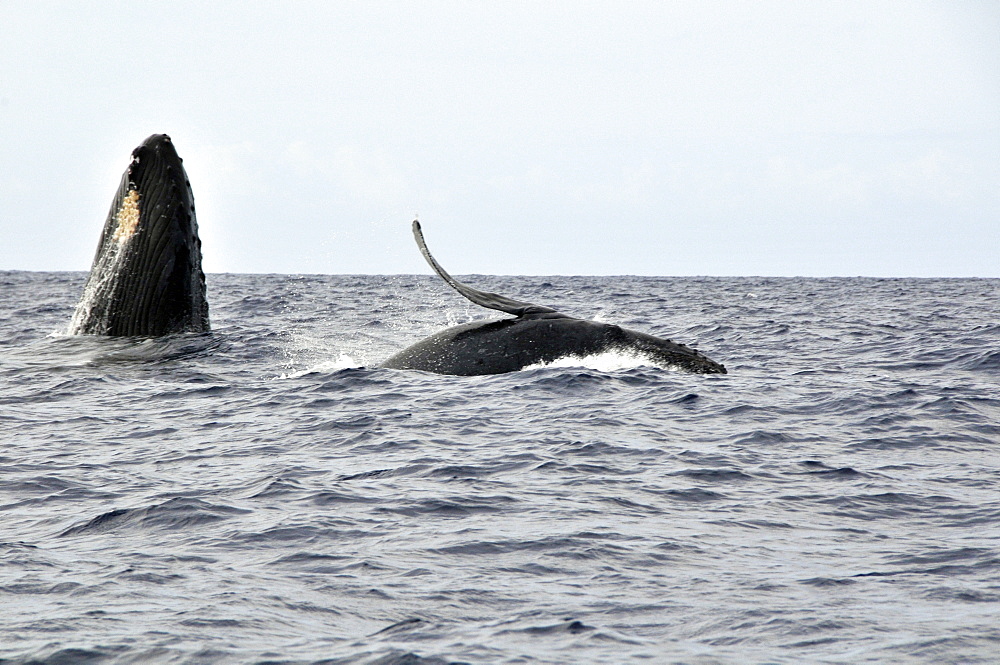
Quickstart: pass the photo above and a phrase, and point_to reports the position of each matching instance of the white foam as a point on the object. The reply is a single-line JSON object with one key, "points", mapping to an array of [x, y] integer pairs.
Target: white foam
{"points": [[606, 361], [99, 285], [343, 361]]}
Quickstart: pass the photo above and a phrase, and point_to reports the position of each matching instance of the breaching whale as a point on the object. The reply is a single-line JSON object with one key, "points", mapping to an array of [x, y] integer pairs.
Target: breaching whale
{"points": [[537, 335], [146, 279]]}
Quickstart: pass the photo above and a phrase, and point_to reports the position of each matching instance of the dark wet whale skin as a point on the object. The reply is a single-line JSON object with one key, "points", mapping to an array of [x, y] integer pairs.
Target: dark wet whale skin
{"points": [[538, 335], [508, 345], [147, 278]]}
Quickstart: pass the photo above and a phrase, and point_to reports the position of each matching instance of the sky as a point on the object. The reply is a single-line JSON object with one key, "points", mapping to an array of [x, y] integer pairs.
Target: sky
{"points": [[539, 138]]}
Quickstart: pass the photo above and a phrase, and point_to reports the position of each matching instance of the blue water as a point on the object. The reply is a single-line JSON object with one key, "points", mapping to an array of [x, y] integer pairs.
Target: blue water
{"points": [[263, 494]]}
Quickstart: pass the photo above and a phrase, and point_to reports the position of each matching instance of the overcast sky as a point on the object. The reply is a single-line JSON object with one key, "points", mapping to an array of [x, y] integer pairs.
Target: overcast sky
{"points": [[660, 138]]}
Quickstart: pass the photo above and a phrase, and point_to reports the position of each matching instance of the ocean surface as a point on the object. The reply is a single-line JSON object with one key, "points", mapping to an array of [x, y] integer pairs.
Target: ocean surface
{"points": [[266, 494]]}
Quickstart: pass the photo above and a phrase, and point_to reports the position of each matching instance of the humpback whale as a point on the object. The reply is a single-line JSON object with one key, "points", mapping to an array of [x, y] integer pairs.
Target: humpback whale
{"points": [[146, 279], [537, 334]]}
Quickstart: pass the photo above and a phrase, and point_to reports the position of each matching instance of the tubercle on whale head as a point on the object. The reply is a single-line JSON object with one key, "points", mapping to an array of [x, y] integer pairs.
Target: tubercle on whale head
{"points": [[157, 173], [156, 150]]}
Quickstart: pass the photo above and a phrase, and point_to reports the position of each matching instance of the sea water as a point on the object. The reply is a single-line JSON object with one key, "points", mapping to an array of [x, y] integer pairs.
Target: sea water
{"points": [[266, 494]]}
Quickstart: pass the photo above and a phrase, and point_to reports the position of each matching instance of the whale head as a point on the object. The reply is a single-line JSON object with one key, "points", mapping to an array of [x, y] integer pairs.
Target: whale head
{"points": [[146, 279]]}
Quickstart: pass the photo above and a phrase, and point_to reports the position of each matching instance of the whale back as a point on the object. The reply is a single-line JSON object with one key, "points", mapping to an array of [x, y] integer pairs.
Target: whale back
{"points": [[508, 345]]}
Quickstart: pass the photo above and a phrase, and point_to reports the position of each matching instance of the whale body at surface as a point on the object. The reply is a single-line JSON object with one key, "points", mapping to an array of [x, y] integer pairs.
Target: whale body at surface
{"points": [[537, 335]]}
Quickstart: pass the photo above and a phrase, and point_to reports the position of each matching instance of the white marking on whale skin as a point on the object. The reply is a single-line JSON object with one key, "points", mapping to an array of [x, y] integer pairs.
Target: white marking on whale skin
{"points": [[127, 218]]}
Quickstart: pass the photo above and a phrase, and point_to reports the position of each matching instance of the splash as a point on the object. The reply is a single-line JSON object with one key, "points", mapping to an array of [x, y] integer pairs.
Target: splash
{"points": [[103, 279], [326, 366], [100, 284], [606, 361]]}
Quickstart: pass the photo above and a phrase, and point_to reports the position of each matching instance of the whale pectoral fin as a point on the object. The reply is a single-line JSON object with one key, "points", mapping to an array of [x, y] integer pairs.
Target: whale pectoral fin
{"points": [[481, 298]]}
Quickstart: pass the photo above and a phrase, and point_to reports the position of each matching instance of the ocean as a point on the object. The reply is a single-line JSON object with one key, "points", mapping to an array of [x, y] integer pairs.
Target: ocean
{"points": [[266, 494]]}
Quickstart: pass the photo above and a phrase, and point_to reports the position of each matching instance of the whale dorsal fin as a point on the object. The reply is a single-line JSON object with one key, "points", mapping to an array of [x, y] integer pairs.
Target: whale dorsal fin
{"points": [[481, 298]]}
